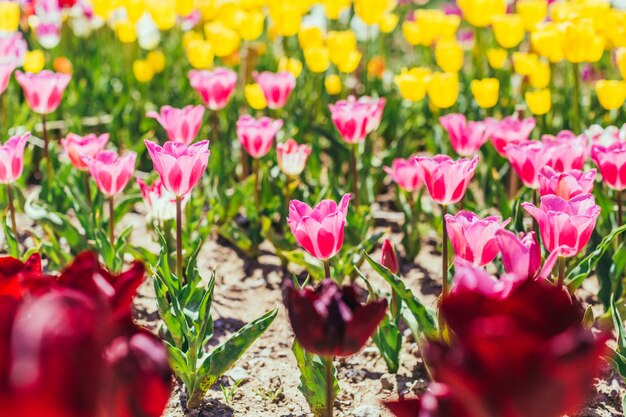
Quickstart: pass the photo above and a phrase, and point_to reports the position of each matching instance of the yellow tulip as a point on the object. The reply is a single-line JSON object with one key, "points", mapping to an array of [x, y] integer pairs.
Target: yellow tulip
{"points": [[443, 89], [225, 41], [9, 16], [292, 65], [190, 36], [207, 8], [611, 93], [496, 57], [144, 73], [480, 13], [449, 56], [350, 62], [524, 63], [388, 22], [332, 84], [411, 33], [370, 11], [532, 12], [310, 36], [200, 54], [620, 57], [540, 76], [125, 31], [581, 43], [508, 30], [255, 96], [538, 101], [286, 17], [184, 7], [34, 61], [103, 8], [230, 16], [412, 83], [163, 13], [340, 43], [333, 8], [135, 9], [547, 41], [485, 92], [252, 25], [317, 59], [429, 22], [449, 26], [157, 60]]}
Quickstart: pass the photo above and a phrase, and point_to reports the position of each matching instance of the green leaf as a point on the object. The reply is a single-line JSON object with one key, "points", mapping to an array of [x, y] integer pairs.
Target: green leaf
{"points": [[426, 319], [313, 379], [58, 222], [388, 340], [178, 362], [11, 239], [224, 356]]}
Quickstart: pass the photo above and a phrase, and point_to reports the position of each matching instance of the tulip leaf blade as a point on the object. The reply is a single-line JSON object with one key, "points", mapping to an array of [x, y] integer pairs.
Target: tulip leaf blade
{"points": [[11, 240], [313, 379], [425, 319]]}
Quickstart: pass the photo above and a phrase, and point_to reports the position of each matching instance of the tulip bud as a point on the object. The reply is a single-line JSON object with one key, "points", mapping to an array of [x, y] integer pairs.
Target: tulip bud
{"points": [[486, 92], [496, 57], [412, 83], [508, 30], [332, 84], [611, 93], [443, 89], [143, 70], [254, 96], [532, 12], [539, 102], [389, 259]]}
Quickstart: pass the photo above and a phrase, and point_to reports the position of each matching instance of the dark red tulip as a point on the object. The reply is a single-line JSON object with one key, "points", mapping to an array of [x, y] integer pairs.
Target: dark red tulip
{"points": [[524, 355], [331, 320], [69, 348], [389, 258]]}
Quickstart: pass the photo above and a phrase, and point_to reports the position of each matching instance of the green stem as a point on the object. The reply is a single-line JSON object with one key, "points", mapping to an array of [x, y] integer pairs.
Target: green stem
{"points": [[12, 210], [620, 208], [327, 268], [355, 175], [561, 271], [257, 190], [576, 98], [330, 396], [444, 252], [112, 222], [46, 150], [87, 188], [179, 238]]}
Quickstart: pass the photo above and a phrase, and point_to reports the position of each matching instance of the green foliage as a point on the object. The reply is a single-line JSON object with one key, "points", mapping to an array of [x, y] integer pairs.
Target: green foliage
{"points": [[313, 379]]}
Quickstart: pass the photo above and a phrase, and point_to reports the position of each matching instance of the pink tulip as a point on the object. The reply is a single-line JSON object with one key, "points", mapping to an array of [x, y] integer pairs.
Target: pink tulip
{"points": [[567, 151], [445, 178], [12, 49], [181, 125], [180, 167], [406, 173], [160, 202], [257, 135], [466, 138], [292, 157], [521, 256], [110, 171], [216, 87], [509, 130], [527, 159], [605, 136], [612, 163], [319, 230], [565, 225], [12, 158], [355, 119], [377, 106], [5, 74], [277, 87], [473, 238], [43, 90], [78, 147], [566, 185], [470, 279]]}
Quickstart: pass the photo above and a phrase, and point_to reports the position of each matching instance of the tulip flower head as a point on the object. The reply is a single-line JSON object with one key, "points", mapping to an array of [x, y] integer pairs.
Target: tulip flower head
{"points": [[406, 173], [389, 259], [567, 151], [445, 178], [605, 136], [567, 184], [5, 74], [527, 159], [179, 166], [215, 87], [257, 135], [319, 230], [181, 125], [565, 225], [521, 256], [466, 137], [473, 238], [78, 147], [292, 157], [355, 119], [277, 87], [611, 160], [43, 90], [508, 131], [12, 158], [160, 202], [110, 171], [331, 320]]}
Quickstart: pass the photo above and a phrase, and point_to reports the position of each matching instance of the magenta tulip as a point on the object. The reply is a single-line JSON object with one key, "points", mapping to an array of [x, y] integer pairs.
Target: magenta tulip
{"points": [[354, 119], [474, 239], [292, 157], [445, 178], [216, 87], [527, 158], [466, 137], [12, 158], [509, 130], [257, 135], [181, 125], [566, 185], [110, 171], [612, 163], [468, 278], [43, 90], [406, 173], [567, 151], [319, 230], [520, 256], [565, 225], [179, 166], [6, 70], [78, 147], [277, 87], [377, 106], [12, 49]]}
